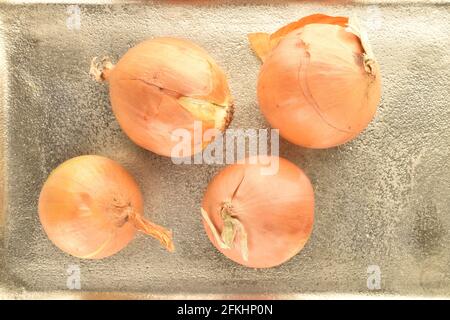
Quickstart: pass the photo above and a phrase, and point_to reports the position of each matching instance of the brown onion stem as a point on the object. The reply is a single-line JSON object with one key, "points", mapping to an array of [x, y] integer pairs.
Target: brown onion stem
{"points": [[231, 227], [260, 43], [152, 229], [100, 70], [213, 229], [355, 27]]}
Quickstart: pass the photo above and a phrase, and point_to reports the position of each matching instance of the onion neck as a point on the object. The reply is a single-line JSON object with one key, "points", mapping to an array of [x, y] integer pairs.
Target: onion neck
{"points": [[369, 60], [100, 70], [232, 226], [158, 232]]}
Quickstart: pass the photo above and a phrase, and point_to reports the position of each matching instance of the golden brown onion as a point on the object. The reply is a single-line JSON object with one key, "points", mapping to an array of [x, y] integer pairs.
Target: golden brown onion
{"points": [[319, 83], [91, 207], [259, 220], [165, 84]]}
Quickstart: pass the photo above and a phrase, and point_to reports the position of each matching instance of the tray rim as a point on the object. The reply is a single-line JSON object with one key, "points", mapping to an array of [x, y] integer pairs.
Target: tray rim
{"points": [[86, 295], [3, 146], [234, 2], [7, 292]]}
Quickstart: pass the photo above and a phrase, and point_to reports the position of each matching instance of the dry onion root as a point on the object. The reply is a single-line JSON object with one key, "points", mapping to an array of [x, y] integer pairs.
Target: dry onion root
{"points": [[91, 207], [164, 84], [259, 221], [320, 83]]}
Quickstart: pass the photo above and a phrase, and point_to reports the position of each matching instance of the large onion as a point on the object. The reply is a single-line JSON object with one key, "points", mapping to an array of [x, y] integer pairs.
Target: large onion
{"points": [[320, 82], [164, 84], [91, 207], [259, 220]]}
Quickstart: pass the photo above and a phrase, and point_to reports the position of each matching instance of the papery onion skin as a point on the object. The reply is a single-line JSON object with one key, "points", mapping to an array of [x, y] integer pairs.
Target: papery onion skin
{"points": [[91, 207], [277, 211], [313, 85], [163, 84]]}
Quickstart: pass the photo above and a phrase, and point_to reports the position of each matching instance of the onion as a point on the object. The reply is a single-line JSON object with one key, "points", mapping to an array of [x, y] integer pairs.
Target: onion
{"points": [[91, 207], [258, 220], [319, 83], [165, 84]]}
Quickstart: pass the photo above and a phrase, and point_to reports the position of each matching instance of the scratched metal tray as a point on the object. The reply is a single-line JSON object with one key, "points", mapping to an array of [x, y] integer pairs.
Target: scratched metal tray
{"points": [[382, 200]]}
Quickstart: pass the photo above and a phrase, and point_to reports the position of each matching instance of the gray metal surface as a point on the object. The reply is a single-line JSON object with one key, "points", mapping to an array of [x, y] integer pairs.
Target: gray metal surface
{"points": [[382, 199]]}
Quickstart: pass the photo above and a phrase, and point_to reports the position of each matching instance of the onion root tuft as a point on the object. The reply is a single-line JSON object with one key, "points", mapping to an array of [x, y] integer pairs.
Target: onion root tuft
{"points": [[100, 70]]}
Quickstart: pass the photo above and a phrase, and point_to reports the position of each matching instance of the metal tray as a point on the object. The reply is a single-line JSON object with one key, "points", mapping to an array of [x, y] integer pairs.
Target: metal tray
{"points": [[382, 200]]}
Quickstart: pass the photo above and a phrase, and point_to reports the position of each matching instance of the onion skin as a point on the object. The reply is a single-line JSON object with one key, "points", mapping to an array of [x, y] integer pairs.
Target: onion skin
{"points": [[319, 84], [163, 84], [276, 211], [91, 207]]}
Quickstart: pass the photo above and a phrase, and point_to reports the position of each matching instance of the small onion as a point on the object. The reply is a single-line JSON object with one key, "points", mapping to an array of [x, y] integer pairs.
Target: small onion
{"points": [[164, 84], [91, 207], [258, 220], [319, 83]]}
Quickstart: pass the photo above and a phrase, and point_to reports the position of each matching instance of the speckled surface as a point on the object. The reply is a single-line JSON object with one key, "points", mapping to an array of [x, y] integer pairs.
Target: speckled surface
{"points": [[382, 199]]}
